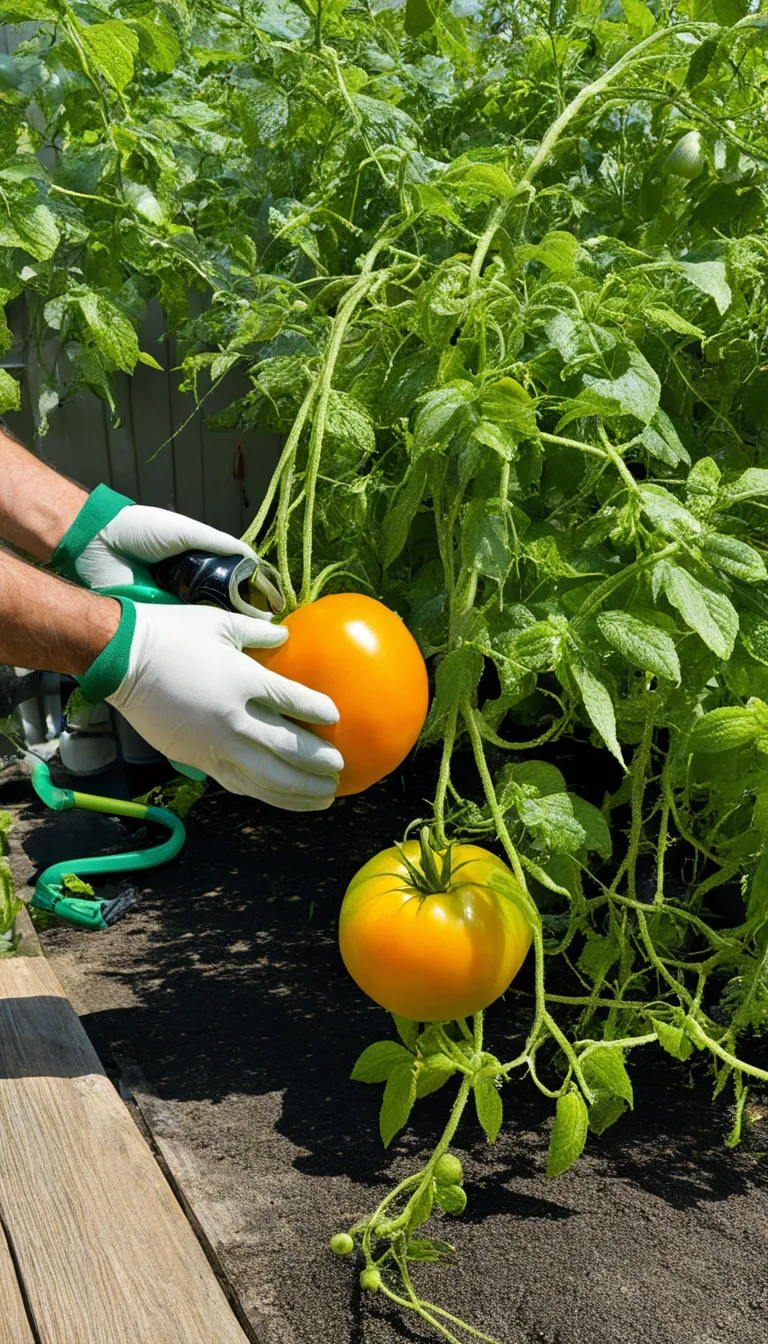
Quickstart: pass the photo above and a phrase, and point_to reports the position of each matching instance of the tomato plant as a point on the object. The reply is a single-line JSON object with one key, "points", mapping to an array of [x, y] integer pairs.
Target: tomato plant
{"points": [[360, 653], [424, 933], [498, 275]]}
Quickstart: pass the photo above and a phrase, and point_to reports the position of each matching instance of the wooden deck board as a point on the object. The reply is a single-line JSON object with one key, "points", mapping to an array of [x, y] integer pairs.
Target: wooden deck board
{"points": [[14, 1323], [104, 1251]]}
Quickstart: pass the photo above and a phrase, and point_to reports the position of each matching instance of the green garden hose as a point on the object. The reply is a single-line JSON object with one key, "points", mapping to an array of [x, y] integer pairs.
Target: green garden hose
{"points": [[49, 893]]}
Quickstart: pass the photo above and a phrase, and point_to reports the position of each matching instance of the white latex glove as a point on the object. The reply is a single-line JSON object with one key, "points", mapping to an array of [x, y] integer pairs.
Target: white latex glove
{"points": [[190, 692], [141, 533]]}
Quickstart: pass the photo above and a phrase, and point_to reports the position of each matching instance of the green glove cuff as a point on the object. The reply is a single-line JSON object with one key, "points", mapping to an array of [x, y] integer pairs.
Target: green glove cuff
{"points": [[101, 506], [108, 670]]}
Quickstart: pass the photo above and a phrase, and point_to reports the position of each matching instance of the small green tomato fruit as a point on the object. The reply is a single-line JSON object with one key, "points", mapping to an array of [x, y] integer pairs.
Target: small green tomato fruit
{"points": [[448, 1170], [686, 158], [452, 1199], [370, 1280], [342, 1244]]}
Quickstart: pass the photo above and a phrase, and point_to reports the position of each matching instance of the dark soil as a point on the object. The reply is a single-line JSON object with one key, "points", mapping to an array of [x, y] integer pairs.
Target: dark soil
{"points": [[226, 988]]}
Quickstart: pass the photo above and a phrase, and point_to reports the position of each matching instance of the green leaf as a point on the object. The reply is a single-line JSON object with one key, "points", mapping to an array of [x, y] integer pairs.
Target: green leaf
{"points": [[159, 45], [600, 953], [557, 251], [489, 1107], [643, 645], [422, 1206], [751, 484], [727, 728], [672, 1039], [111, 332], [263, 112], [485, 539], [407, 1031], [429, 1249], [605, 1071], [29, 226], [733, 557], [143, 201], [663, 316], [635, 392], [701, 62], [419, 16], [349, 427], [111, 47], [401, 511], [440, 415], [434, 1072], [665, 513], [704, 610], [76, 886], [456, 677], [597, 703], [662, 440], [399, 1096], [565, 823], [569, 1133], [639, 17], [379, 1061], [10, 392], [710, 278]]}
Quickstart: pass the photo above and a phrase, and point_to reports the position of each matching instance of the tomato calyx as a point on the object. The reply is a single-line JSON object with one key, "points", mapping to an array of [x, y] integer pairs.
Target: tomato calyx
{"points": [[431, 876]]}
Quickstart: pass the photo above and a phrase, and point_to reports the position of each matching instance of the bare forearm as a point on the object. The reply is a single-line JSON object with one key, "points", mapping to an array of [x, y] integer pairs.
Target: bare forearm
{"points": [[48, 624], [36, 504]]}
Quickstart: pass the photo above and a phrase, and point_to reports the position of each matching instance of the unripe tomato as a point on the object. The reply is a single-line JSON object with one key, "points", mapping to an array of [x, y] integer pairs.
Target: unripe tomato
{"points": [[342, 1244], [360, 653], [370, 1280], [448, 1170], [437, 956]]}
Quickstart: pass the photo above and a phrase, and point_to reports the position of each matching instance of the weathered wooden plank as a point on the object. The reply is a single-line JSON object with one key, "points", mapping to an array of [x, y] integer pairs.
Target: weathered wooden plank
{"points": [[14, 1322], [103, 1249]]}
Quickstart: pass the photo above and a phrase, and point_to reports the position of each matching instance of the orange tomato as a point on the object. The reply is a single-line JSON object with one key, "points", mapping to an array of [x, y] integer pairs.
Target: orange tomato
{"points": [[436, 956], [360, 653]]}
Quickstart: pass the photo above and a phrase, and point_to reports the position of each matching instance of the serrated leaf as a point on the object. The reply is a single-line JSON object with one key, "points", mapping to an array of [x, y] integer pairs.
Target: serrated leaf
{"points": [[378, 1062], [643, 645], [440, 415], [489, 1107], [111, 46], [143, 201], [557, 251], [704, 610], [565, 823], [672, 1039], [569, 1134], [597, 703], [10, 392], [399, 1096]]}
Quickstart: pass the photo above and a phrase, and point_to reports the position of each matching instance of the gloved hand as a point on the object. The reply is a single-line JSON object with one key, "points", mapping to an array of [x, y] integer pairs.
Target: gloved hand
{"points": [[179, 677], [111, 534]]}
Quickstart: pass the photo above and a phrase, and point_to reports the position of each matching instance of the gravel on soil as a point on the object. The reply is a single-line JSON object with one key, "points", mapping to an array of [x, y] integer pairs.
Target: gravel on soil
{"points": [[225, 988]]}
